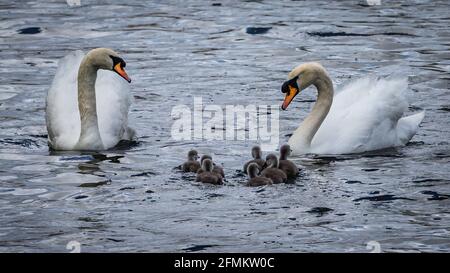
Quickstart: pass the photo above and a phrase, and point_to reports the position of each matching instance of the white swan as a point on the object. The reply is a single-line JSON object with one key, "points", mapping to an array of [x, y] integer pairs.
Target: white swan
{"points": [[365, 115], [86, 112]]}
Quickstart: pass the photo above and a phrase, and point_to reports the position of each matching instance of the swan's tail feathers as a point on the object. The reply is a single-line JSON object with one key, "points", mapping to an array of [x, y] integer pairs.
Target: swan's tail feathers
{"points": [[407, 127]]}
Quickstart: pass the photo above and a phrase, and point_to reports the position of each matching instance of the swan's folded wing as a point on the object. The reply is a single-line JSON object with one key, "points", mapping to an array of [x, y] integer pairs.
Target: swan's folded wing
{"points": [[113, 102], [363, 117], [62, 116]]}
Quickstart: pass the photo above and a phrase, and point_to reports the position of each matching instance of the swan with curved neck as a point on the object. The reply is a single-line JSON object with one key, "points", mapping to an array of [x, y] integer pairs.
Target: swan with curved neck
{"points": [[360, 120], [300, 78], [89, 137]]}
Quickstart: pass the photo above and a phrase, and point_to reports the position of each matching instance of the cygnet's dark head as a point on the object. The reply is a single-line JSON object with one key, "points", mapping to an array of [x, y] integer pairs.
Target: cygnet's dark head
{"points": [[256, 152], [272, 161], [252, 170], [205, 157], [207, 165], [192, 155], [285, 151]]}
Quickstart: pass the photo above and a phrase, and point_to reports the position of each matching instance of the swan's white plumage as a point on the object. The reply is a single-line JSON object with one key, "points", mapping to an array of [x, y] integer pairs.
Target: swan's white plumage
{"points": [[366, 115], [62, 114]]}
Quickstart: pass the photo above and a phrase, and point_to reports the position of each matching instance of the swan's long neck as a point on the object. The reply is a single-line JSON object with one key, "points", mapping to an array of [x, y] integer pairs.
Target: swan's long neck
{"points": [[304, 134], [90, 134]]}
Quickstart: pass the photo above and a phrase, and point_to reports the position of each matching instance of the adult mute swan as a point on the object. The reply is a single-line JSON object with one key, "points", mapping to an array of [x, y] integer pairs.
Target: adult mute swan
{"points": [[87, 107], [365, 115]]}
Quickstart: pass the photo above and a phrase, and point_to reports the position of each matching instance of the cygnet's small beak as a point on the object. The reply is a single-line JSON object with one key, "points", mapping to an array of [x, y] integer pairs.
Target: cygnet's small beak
{"points": [[119, 70]]}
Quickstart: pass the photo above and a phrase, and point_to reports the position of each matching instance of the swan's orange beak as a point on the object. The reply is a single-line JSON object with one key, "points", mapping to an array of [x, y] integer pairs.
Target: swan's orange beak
{"points": [[290, 95], [119, 70]]}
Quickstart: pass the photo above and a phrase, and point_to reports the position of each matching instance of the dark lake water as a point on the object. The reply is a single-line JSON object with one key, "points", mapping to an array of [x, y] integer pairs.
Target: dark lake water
{"points": [[227, 52]]}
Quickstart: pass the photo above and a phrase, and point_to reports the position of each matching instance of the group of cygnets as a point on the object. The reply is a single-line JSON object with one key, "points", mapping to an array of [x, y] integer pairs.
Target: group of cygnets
{"points": [[260, 172]]}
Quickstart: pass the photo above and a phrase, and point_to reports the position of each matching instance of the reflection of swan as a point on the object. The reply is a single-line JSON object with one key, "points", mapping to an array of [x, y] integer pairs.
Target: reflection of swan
{"points": [[86, 112], [365, 115]]}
